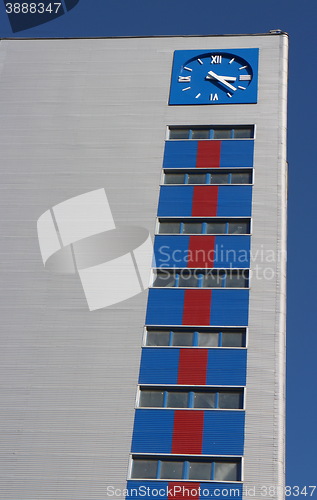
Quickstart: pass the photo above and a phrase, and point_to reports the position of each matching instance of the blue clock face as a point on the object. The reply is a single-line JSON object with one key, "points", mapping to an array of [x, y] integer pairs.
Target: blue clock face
{"points": [[214, 77]]}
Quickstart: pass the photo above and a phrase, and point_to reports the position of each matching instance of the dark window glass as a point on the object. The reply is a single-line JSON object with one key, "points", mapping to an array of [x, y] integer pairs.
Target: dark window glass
{"points": [[232, 339], [192, 228], [230, 400], [144, 469], [177, 399], [218, 178], [169, 227], [216, 227], [241, 178], [188, 279], [199, 471], [208, 339], [226, 471], [222, 133], [236, 280], [171, 469], [174, 179], [204, 400], [157, 338], [183, 338], [197, 179], [200, 133], [151, 398], [213, 279], [243, 132], [179, 133], [164, 278], [239, 227]]}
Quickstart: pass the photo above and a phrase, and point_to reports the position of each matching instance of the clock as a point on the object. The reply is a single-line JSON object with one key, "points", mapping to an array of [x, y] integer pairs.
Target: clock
{"points": [[214, 77]]}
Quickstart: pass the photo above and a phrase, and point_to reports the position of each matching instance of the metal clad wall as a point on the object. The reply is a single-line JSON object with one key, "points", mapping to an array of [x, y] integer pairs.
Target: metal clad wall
{"points": [[70, 124]]}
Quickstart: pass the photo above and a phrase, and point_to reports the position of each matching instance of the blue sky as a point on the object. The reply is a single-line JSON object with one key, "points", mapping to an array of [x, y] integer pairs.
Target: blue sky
{"points": [[202, 17]]}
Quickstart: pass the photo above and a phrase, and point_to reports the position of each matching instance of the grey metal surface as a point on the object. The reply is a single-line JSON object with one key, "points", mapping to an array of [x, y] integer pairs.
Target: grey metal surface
{"points": [[79, 115]]}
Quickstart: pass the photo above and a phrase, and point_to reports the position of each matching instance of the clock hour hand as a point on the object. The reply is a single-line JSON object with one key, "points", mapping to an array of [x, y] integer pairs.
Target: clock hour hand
{"points": [[221, 79], [227, 78]]}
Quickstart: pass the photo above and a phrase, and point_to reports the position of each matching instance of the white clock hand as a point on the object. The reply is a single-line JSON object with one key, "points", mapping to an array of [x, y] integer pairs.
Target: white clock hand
{"points": [[227, 78], [221, 80]]}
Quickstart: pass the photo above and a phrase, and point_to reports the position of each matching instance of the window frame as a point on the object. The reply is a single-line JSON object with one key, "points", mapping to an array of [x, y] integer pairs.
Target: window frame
{"points": [[208, 171], [204, 221], [195, 330], [212, 129], [186, 459], [190, 391], [200, 274]]}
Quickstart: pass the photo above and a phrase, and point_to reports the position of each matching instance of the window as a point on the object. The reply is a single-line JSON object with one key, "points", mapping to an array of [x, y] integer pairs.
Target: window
{"points": [[201, 278], [180, 467], [171, 397], [212, 132], [206, 226], [183, 337], [197, 176]]}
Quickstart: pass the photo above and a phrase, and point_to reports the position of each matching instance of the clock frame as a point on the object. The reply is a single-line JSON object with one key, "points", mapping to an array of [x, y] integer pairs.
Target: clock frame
{"points": [[215, 76]]}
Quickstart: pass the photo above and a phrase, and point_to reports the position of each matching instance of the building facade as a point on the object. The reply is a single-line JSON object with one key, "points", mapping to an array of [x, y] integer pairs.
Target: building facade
{"points": [[177, 392]]}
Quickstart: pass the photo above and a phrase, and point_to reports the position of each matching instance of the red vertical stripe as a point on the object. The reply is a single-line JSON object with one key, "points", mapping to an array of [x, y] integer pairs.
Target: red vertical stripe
{"points": [[192, 367], [182, 491], [197, 306], [188, 432], [201, 251], [205, 201], [208, 154]]}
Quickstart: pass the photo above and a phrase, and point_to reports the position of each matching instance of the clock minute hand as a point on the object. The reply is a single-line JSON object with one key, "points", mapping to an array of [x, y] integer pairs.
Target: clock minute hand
{"points": [[221, 79]]}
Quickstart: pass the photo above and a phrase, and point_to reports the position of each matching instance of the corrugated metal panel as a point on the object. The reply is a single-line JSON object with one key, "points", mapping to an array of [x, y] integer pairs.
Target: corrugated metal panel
{"points": [[180, 154], [147, 490], [202, 251], [171, 251], [153, 431], [232, 251], [188, 432], [192, 368], [227, 367], [165, 307], [175, 201], [232, 201], [233, 153], [237, 153], [159, 366], [223, 432], [229, 307]]}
